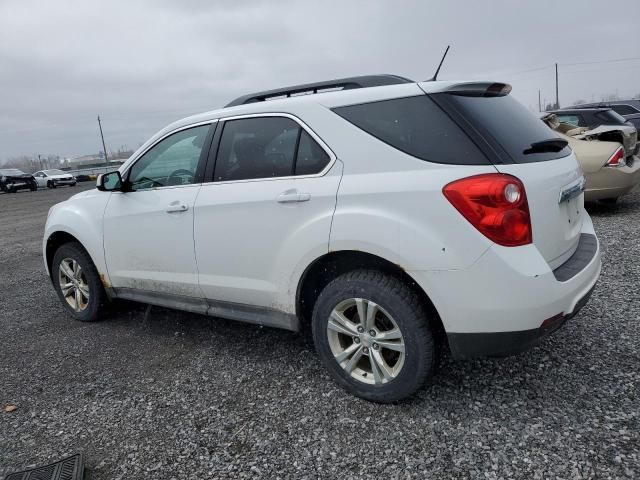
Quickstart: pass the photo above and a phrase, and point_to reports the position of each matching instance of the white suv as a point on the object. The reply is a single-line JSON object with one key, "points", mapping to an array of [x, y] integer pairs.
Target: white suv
{"points": [[376, 210]]}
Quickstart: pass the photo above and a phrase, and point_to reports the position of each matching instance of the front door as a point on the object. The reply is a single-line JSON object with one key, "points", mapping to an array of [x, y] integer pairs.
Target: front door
{"points": [[148, 230]]}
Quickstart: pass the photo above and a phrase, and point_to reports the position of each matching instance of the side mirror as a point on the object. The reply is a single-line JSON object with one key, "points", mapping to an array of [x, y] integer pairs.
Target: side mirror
{"points": [[109, 182]]}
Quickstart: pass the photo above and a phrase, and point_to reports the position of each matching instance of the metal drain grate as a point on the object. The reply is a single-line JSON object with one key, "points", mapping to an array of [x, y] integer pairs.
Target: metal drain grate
{"points": [[70, 468]]}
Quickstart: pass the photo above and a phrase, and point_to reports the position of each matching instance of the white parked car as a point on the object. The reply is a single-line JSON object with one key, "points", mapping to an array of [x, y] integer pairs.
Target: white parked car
{"points": [[379, 215], [54, 178]]}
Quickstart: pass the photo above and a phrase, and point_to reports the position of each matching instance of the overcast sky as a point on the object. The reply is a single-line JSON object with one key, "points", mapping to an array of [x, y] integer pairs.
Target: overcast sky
{"points": [[143, 64]]}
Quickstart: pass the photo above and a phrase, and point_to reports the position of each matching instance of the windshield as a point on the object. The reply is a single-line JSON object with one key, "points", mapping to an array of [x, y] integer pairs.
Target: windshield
{"points": [[54, 172], [11, 171]]}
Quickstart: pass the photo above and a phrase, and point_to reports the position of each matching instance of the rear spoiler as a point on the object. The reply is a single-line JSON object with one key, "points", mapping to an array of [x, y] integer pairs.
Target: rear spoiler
{"points": [[479, 89]]}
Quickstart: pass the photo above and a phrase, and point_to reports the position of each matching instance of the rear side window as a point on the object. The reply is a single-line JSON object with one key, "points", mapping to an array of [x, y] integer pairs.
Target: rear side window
{"points": [[311, 157], [417, 126], [570, 119], [266, 147], [506, 122]]}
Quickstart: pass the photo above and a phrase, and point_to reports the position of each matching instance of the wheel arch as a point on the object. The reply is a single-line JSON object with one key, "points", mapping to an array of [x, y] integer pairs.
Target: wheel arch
{"points": [[58, 238], [333, 264]]}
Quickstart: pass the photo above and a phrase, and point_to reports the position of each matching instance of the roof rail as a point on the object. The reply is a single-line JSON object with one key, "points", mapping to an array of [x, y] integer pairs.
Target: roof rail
{"points": [[350, 83]]}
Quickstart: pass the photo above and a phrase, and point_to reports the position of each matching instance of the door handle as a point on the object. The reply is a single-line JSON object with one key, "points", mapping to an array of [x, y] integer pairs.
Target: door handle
{"points": [[291, 196], [177, 207]]}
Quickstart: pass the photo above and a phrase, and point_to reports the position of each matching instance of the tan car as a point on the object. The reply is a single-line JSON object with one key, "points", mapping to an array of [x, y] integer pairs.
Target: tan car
{"points": [[608, 173]]}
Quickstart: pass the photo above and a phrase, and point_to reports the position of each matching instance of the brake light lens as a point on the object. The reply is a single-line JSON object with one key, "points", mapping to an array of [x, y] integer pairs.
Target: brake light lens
{"points": [[495, 204], [617, 159]]}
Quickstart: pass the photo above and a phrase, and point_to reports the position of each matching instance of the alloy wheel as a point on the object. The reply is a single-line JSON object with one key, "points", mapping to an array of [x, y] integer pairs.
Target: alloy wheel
{"points": [[73, 284], [366, 341]]}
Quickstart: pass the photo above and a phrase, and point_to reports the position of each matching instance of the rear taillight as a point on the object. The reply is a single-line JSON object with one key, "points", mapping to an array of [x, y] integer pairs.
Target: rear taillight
{"points": [[495, 204], [617, 159]]}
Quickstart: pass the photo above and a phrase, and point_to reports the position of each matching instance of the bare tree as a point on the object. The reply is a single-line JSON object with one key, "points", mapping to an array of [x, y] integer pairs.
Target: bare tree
{"points": [[610, 97], [579, 102]]}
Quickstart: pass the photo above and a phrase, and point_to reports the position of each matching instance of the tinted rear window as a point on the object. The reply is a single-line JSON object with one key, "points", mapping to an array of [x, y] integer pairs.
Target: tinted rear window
{"points": [[624, 109], [506, 122], [417, 126], [609, 117]]}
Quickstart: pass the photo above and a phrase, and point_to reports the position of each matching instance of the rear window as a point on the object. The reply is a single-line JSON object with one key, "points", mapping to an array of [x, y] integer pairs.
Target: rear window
{"points": [[624, 109], [609, 117], [505, 122], [417, 126]]}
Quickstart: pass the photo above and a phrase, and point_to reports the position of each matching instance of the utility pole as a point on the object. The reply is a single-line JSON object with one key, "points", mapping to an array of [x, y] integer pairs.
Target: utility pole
{"points": [[557, 98], [104, 148], [539, 102]]}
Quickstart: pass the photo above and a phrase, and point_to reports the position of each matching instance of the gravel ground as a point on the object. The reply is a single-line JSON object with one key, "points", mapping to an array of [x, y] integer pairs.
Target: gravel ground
{"points": [[176, 395]]}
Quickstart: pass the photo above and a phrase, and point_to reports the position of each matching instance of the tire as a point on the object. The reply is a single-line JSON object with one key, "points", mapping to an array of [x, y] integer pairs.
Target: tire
{"points": [[49, 184], [97, 302], [396, 306], [33, 188]]}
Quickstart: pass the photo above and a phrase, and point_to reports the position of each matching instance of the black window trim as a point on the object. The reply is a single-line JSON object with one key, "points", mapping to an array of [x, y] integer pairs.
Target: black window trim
{"points": [[215, 147], [200, 169]]}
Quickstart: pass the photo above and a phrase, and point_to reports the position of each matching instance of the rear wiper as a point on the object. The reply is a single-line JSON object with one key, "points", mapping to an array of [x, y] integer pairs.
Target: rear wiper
{"points": [[544, 146]]}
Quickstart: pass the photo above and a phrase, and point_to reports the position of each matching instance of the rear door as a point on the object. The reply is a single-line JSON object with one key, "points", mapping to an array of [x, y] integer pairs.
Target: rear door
{"points": [[269, 204], [551, 174]]}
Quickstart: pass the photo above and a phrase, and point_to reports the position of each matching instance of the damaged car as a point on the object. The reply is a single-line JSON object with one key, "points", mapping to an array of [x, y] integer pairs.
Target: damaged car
{"points": [[609, 173], [599, 124], [12, 180]]}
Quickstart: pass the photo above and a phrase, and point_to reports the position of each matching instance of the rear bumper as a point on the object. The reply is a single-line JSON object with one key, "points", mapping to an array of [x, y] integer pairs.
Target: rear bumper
{"points": [[501, 344], [611, 182], [510, 299]]}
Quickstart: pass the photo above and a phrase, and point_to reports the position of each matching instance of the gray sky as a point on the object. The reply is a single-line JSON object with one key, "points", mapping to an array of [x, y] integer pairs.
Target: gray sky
{"points": [[142, 64]]}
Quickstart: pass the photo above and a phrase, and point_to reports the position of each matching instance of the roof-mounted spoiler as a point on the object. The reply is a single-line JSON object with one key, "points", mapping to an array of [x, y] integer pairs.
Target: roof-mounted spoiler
{"points": [[479, 89]]}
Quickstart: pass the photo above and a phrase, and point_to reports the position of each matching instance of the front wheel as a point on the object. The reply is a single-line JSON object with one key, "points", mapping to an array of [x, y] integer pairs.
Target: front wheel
{"points": [[77, 283], [372, 333]]}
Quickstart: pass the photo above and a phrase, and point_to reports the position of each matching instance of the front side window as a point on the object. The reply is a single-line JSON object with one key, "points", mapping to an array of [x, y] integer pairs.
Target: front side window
{"points": [[171, 162], [266, 147]]}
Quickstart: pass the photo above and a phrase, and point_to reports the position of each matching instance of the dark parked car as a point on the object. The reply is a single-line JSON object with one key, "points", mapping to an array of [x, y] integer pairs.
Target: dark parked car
{"points": [[621, 107], [635, 119], [12, 180]]}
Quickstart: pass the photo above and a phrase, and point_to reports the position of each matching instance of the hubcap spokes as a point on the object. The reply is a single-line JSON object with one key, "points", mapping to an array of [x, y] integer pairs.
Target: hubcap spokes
{"points": [[73, 284], [366, 341]]}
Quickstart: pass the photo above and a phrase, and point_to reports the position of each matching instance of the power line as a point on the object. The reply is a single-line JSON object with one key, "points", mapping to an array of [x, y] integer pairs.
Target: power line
{"points": [[629, 59]]}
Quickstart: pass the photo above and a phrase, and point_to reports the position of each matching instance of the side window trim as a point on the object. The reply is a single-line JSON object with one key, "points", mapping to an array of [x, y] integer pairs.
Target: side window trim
{"points": [[200, 169], [215, 147]]}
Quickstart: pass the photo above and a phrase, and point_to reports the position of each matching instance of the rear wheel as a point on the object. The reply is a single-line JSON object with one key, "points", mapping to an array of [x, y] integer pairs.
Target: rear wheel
{"points": [[77, 283], [372, 333]]}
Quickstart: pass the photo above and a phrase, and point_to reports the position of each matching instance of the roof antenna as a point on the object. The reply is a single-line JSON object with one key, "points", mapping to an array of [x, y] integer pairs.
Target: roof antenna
{"points": [[435, 75]]}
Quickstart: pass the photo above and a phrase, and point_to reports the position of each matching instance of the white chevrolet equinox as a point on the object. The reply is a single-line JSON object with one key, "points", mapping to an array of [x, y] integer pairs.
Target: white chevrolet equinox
{"points": [[380, 212]]}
